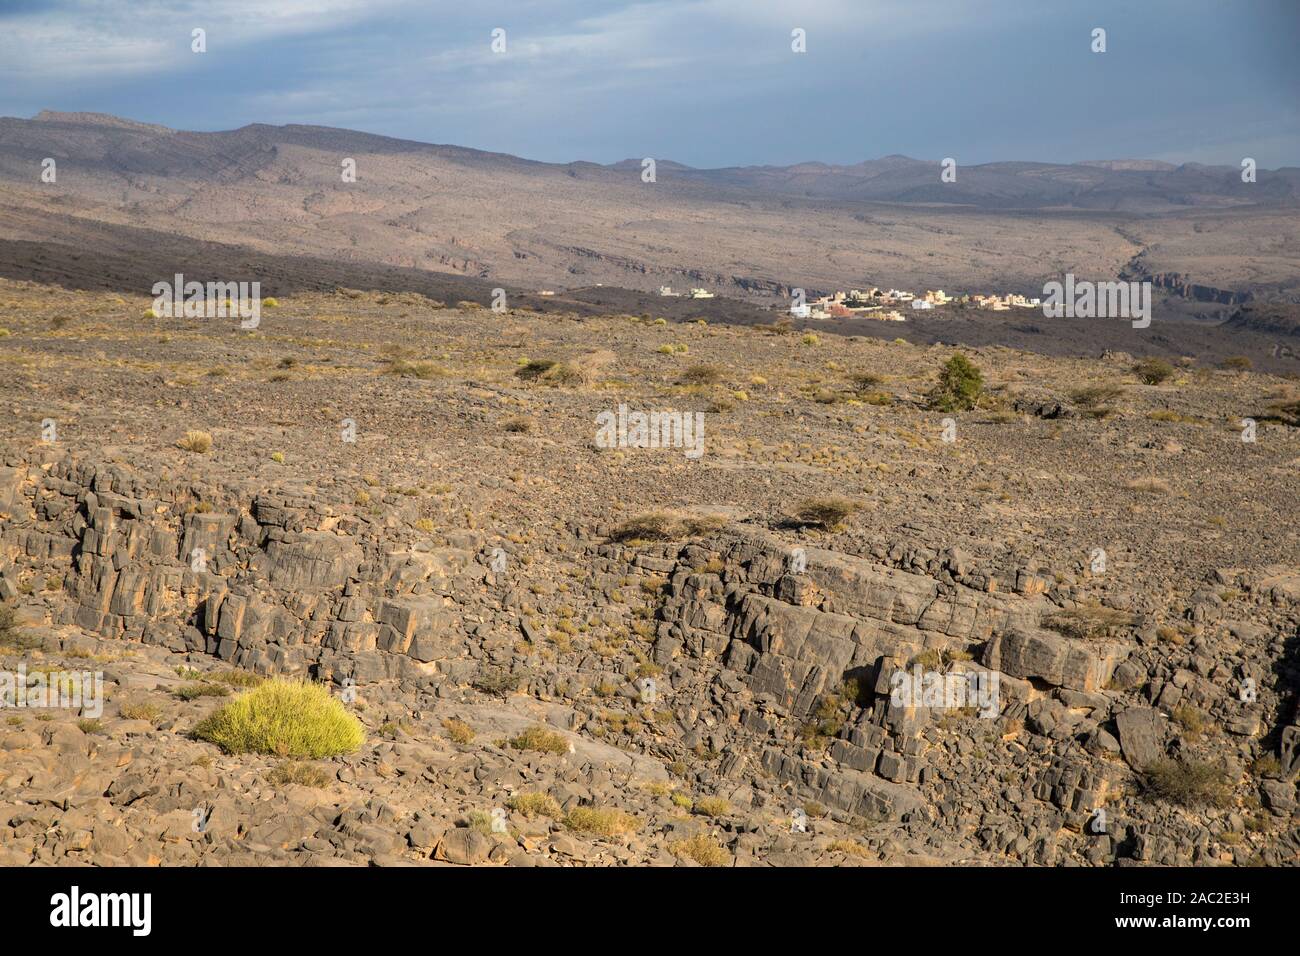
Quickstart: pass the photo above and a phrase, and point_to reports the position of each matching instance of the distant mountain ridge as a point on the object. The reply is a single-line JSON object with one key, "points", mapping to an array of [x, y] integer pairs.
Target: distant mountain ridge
{"points": [[753, 231], [1114, 184]]}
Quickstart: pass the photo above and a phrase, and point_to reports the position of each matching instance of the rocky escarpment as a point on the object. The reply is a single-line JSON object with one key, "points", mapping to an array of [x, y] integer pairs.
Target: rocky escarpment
{"points": [[1074, 725], [276, 584], [1180, 285], [768, 671]]}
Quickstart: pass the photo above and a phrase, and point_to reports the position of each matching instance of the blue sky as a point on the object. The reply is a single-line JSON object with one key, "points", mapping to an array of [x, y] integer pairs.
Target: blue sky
{"points": [[705, 82]]}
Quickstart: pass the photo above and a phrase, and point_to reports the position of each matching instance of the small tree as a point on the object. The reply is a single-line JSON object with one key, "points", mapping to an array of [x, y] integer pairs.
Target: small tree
{"points": [[960, 386], [1153, 371]]}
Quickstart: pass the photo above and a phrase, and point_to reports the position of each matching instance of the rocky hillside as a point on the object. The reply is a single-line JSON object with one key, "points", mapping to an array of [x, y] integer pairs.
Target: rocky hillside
{"points": [[568, 654]]}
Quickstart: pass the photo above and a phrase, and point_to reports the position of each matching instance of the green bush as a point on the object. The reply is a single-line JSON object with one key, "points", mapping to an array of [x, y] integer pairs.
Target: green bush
{"points": [[701, 849], [1153, 371], [600, 822], [286, 718], [829, 514], [542, 740], [960, 386]]}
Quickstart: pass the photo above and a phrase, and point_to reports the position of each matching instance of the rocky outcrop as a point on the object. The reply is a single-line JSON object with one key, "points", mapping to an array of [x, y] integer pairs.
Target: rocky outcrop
{"points": [[278, 584]]}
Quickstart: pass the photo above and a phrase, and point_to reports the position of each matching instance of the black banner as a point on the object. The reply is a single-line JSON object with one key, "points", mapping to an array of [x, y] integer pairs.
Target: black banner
{"points": [[340, 905]]}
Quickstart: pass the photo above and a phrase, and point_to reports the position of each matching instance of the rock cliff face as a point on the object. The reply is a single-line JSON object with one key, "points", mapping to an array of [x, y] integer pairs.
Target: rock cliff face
{"points": [[284, 585], [795, 626]]}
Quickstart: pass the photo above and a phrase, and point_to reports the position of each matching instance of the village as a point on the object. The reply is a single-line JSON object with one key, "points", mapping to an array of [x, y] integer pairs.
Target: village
{"points": [[885, 304]]}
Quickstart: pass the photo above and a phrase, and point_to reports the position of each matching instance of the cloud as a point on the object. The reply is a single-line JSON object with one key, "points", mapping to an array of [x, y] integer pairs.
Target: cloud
{"points": [[84, 40], [702, 81]]}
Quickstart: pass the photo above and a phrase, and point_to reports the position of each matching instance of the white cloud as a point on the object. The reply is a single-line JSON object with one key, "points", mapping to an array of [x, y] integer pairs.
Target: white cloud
{"points": [[85, 40]]}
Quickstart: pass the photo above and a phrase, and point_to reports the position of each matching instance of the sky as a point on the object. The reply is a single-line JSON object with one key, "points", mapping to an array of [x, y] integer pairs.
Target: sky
{"points": [[704, 82]]}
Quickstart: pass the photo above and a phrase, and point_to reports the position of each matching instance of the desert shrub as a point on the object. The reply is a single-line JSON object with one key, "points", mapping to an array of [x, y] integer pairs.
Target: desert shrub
{"points": [[481, 821], [534, 805], [663, 526], [237, 678], [1237, 363], [697, 525], [1153, 371], [518, 425], [286, 718], [930, 659], [195, 691], [198, 442], [297, 772], [540, 739], [700, 375], [596, 821], [1192, 720], [701, 849], [562, 373], [568, 373], [1266, 765], [829, 514], [1286, 411], [862, 382], [827, 720], [711, 807], [1169, 415], [458, 731], [1088, 621], [138, 710], [89, 726], [849, 848], [653, 526], [1187, 783], [11, 635], [960, 385], [810, 339], [534, 369], [1095, 395], [496, 680]]}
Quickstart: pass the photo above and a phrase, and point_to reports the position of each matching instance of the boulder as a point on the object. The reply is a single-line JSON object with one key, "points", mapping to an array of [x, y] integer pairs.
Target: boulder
{"points": [[1141, 736], [1060, 661]]}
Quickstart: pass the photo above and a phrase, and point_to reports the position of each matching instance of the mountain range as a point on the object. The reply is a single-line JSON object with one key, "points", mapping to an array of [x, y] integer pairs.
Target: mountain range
{"points": [[754, 231]]}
